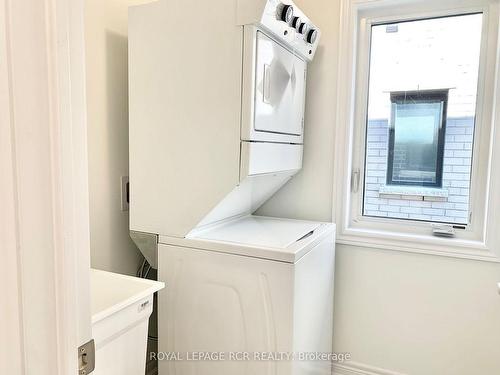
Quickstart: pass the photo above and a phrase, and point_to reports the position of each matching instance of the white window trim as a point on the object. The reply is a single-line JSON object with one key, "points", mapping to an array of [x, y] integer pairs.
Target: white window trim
{"points": [[481, 239]]}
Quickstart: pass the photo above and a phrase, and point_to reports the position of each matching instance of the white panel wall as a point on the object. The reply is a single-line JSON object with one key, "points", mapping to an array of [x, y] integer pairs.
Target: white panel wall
{"points": [[408, 313], [107, 103]]}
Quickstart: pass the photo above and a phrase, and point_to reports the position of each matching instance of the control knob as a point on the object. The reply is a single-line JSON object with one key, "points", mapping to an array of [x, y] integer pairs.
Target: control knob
{"points": [[302, 28], [312, 35], [285, 14], [296, 22]]}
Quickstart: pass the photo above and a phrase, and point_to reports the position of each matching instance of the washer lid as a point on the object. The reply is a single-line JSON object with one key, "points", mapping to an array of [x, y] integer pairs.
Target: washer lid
{"points": [[260, 231], [284, 240]]}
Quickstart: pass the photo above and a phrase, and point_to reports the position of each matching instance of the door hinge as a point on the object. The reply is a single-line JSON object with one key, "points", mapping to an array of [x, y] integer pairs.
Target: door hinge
{"points": [[86, 358]]}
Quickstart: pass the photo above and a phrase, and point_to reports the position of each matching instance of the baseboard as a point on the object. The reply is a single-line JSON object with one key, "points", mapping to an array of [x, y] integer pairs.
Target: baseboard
{"points": [[347, 368], [356, 368]]}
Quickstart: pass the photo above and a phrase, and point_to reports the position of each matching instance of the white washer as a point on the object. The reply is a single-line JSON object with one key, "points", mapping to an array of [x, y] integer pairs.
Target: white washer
{"points": [[250, 285]]}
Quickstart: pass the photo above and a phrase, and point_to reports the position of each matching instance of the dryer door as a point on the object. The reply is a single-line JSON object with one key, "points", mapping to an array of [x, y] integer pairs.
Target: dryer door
{"points": [[279, 88]]}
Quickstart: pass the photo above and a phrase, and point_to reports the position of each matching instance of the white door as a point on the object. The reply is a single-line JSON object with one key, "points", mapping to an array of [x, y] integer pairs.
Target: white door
{"points": [[279, 88], [44, 227]]}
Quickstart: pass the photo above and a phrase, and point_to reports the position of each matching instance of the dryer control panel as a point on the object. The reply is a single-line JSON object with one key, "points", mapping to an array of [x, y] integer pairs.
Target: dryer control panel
{"points": [[288, 23]]}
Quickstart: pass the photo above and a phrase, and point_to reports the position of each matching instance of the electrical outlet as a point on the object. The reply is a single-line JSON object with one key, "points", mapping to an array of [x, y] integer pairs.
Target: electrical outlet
{"points": [[125, 193]]}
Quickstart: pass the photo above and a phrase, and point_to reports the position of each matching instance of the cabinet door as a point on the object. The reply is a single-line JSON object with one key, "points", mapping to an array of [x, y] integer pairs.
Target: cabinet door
{"points": [[215, 302], [279, 88]]}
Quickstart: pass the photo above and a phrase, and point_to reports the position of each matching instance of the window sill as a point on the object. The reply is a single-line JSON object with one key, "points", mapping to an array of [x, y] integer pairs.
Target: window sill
{"points": [[413, 193], [417, 243]]}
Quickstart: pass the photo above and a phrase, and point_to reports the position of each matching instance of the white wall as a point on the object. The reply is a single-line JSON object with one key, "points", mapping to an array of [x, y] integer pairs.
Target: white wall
{"points": [[107, 103], [409, 313]]}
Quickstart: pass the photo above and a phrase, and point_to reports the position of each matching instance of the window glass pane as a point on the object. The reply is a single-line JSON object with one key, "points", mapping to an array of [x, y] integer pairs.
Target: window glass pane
{"points": [[421, 118], [415, 148]]}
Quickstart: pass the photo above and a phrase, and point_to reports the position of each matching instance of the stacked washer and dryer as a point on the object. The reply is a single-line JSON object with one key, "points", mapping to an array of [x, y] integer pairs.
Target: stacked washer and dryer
{"points": [[217, 92]]}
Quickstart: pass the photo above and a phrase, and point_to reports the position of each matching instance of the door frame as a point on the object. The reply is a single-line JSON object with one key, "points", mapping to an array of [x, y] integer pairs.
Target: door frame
{"points": [[44, 219]]}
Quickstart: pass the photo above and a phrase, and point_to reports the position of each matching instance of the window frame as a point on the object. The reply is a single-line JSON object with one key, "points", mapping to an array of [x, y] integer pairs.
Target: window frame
{"points": [[423, 96], [476, 240]]}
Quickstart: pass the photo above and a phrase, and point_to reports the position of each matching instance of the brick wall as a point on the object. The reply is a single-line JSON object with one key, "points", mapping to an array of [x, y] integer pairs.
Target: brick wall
{"points": [[456, 177]]}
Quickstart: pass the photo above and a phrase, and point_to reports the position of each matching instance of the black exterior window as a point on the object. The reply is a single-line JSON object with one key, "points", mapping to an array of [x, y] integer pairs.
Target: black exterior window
{"points": [[416, 138]]}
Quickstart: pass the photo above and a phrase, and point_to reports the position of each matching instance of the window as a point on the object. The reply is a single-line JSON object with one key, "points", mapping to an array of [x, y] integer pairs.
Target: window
{"points": [[416, 126], [421, 116], [416, 138]]}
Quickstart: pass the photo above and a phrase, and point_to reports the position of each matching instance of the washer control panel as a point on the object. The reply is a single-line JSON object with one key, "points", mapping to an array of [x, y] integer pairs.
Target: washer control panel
{"points": [[284, 19]]}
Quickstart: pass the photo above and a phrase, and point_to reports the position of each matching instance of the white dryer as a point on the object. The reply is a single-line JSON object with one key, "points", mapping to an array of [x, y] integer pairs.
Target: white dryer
{"points": [[248, 288]]}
